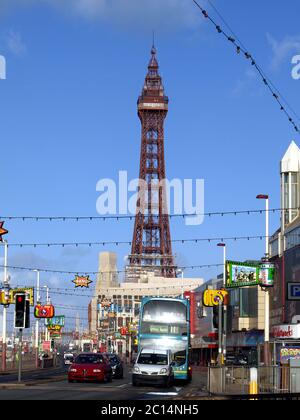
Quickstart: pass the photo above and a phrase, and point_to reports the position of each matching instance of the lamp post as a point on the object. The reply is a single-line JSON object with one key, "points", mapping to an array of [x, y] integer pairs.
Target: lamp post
{"points": [[267, 296], [223, 308], [47, 302], [180, 271], [38, 301], [4, 320]]}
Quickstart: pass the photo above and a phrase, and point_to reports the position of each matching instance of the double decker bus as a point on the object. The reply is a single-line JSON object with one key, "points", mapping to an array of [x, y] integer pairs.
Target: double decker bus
{"points": [[165, 325]]}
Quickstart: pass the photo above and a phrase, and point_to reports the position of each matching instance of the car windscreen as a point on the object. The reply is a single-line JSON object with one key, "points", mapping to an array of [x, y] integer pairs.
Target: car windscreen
{"points": [[152, 359], [89, 359]]}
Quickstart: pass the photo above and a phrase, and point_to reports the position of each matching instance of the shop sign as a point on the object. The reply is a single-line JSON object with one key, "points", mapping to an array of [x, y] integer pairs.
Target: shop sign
{"points": [[241, 274], [286, 331], [213, 298], [56, 320], [12, 293], [289, 353], [267, 274]]}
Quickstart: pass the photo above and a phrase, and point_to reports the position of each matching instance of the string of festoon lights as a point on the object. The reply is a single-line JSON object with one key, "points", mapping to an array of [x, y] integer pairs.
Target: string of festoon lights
{"points": [[132, 217], [46, 270], [117, 243], [241, 50]]}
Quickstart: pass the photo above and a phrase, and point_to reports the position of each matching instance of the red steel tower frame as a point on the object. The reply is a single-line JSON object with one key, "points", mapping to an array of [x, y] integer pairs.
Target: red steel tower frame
{"points": [[151, 245]]}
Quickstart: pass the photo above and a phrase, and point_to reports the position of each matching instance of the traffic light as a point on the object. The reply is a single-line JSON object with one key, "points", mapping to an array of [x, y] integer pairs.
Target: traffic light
{"points": [[216, 317], [27, 314], [20, 310]]}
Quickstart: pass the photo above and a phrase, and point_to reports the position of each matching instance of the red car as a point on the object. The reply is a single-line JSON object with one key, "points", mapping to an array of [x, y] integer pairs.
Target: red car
{"points": [[90, 367]]}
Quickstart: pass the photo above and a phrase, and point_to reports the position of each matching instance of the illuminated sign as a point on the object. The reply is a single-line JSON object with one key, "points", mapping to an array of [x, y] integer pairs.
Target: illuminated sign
{"points": [[56, 328], [2, 231], [289, 353], [266, 274], [213, 298], [11, 299], [241, 274], [81, 281], [56, 320], [286, 331], [44, 311]]}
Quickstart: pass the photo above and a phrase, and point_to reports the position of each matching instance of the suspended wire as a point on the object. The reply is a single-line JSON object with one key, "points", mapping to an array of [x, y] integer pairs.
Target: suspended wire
{"points": [[264, 74], [42, 270], [117, 243], [241, 49], [127, 217]]}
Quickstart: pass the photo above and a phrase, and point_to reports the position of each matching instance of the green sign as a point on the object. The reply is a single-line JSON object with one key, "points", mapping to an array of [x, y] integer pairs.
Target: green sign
{"points": [[242, 274], [56, 320], [267, 274]]}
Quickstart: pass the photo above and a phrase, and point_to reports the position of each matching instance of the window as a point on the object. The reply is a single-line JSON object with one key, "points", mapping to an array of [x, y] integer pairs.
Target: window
{"points": [[248, 303], [294, 195], [153, 359]]}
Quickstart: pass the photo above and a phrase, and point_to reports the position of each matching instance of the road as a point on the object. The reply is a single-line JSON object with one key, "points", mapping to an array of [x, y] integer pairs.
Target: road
{"points": [[53, 385]]}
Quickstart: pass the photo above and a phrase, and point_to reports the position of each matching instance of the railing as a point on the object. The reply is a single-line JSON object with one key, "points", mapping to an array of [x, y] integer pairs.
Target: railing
{"points": [[235, 380]]}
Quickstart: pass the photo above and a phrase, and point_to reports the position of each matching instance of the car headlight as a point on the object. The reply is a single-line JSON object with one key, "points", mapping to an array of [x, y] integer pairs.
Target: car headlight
{"points": [[136, 369], [97, 370], [163, 371], [73, 370]]}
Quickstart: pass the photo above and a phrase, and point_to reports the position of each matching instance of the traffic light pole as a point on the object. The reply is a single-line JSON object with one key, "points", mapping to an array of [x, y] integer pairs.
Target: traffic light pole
{"points": [[20, 354], [220, 333], [38, 299], [4, 319]]}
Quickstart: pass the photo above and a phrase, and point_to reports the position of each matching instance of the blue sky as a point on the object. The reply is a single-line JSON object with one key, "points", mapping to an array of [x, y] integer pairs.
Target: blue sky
{"points": [[68, 119]]}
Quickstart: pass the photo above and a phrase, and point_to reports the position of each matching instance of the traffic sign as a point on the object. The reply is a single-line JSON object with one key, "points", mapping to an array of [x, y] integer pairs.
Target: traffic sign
{"points": [[293, 291]]}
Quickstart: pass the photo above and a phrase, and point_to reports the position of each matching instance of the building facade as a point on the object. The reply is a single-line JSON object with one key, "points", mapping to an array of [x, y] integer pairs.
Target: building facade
{"points": [[285, 253]]}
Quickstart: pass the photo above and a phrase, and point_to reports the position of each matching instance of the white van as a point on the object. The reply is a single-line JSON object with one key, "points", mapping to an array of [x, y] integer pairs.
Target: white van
{"points": [[154, 367]]}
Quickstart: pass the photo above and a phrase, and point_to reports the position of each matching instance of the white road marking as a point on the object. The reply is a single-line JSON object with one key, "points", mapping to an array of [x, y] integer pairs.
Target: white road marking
{"points": [[163, 393]]}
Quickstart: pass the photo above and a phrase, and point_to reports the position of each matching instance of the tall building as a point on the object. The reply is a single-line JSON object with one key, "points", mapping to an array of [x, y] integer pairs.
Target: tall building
{"points": [[108, 272], [285, 253], [151, 244], [107, 277]]}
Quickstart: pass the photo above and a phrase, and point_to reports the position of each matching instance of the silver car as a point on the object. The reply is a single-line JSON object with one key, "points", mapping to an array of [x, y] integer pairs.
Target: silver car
{"points": [[153, 367]]}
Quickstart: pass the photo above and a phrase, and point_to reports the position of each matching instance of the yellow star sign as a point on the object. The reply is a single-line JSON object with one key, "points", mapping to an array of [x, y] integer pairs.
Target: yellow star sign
{"points": [[2, 231], [81, 281]]}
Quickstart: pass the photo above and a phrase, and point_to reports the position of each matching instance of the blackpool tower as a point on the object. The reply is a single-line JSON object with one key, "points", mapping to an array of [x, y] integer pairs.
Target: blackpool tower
{"points": [[151, 244]]}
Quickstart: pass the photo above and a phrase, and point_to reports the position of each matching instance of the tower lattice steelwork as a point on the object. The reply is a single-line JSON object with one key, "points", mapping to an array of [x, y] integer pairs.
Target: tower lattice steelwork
{"points": [[151, 245]]}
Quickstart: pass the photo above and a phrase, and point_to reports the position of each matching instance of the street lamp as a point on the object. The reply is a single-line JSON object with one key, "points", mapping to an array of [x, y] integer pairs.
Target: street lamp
{"points": [[223, 330], [180, 271], [267, 296], [38, 300], [47, 302]]}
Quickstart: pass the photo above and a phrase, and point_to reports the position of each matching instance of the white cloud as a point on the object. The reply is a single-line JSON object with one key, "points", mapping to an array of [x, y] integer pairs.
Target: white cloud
{"points": [[15, 43], [159, 15], [284, 49]]}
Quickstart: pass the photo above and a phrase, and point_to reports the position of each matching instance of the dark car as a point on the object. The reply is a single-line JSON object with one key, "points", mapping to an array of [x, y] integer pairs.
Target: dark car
{"points": [[116, 365], [90, 367]]}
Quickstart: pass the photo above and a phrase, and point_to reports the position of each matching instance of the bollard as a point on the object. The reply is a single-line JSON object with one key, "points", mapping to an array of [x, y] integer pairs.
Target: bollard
{"points": [[253, 386]]}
